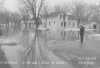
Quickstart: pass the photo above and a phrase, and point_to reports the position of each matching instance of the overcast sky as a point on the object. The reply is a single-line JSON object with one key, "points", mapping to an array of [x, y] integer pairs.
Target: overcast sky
{"points": [[12, 4], [60, 2]]}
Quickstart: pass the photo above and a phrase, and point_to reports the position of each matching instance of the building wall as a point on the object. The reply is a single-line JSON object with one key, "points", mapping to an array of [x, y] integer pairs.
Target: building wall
{"points": [[56, 23], [53, 23], [71, 24]]}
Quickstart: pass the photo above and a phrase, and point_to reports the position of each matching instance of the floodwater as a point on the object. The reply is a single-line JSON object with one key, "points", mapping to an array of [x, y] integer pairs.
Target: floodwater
{"points": [[14, 54]]}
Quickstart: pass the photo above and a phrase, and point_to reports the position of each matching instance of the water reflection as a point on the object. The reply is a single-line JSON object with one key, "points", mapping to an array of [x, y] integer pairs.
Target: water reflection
{"points": [[60, 35], [3, 60]]}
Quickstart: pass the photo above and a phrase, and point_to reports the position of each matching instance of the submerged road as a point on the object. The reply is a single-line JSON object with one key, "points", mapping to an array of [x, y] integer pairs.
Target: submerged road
{"points": [[15, 54], [66, 52]]}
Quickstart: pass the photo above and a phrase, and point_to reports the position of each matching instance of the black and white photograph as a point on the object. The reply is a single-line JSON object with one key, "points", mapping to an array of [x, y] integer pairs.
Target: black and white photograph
{"points": [[49, 33]]}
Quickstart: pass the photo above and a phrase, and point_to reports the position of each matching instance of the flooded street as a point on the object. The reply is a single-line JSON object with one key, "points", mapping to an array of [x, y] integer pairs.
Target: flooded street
{"points": [[54, 54], [49, 34], [15, 53]]}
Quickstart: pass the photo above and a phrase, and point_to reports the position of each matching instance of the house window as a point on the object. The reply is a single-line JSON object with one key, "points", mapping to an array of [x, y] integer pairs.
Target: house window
{"points": [[64, 24], [54, 22], [49, 23], [94, 26], [61, 23]]}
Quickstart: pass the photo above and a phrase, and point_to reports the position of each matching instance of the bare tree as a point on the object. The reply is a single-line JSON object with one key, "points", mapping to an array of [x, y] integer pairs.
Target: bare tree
{"points": [[81, 12], [32, 9]]}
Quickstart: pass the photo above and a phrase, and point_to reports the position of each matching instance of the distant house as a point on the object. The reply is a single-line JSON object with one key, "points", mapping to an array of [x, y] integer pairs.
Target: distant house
{"points": [[52, 21], [71, 24], [55, 21]]}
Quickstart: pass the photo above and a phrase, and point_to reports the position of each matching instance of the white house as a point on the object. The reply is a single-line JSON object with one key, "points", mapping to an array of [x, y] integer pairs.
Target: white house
{"points": [[71, 24], [55, 21]]}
